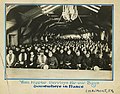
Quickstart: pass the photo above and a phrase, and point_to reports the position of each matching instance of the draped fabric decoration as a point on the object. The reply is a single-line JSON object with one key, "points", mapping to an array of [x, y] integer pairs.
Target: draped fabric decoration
{"points": [[70, 12], [9, 7]]}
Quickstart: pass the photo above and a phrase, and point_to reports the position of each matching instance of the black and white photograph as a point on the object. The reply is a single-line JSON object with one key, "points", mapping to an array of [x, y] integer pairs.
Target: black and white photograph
{"points": [[59, 41]]}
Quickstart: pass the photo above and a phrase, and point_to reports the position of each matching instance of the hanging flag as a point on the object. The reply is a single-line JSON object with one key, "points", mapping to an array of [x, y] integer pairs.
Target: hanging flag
{"points": [[49, 8], [94, 8]]}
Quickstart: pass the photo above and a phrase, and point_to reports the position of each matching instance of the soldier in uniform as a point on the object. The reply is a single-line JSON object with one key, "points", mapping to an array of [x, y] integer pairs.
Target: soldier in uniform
{"points": [[77, 61], [42, 60], [60, 58], [68, 60], [11, 59], [32, 58], [22, 59], [52, 61]]}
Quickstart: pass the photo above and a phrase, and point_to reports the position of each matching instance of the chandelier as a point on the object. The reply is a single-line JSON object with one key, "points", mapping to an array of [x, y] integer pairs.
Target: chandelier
{"points": [[70, 12]]}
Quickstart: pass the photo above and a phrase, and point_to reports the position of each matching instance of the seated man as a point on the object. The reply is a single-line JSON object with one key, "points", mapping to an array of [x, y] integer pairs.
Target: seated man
{"points": [[22, 59], [60, 57], [68, 60], [98, 61], [11, 59], [87, 62], [42, 60], [52, 61], [77, 64], [32, 60]]}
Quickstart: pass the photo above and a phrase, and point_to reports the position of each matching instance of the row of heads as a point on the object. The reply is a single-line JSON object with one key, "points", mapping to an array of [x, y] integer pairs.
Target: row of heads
{"points": [[50, 53]]}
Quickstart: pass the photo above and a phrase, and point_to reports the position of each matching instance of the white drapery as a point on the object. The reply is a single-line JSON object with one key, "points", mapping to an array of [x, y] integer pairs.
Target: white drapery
{"points": [[70, 12]]}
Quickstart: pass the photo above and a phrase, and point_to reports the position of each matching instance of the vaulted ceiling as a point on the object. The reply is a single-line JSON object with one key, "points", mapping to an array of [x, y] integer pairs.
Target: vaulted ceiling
{"points": [[36, 19]]}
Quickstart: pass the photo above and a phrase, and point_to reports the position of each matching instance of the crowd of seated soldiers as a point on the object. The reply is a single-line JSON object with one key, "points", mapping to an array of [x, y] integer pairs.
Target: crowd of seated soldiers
{"points": [[61, 54]]}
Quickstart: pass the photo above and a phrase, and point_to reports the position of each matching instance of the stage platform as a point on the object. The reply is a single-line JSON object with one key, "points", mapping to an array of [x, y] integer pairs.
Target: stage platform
{"points": [[19, 73]]}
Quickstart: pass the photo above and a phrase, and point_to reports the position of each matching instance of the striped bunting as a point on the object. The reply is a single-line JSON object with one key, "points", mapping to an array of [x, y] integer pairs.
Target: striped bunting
{"points": [[94, 8], [49, 8], [8, 8]]}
